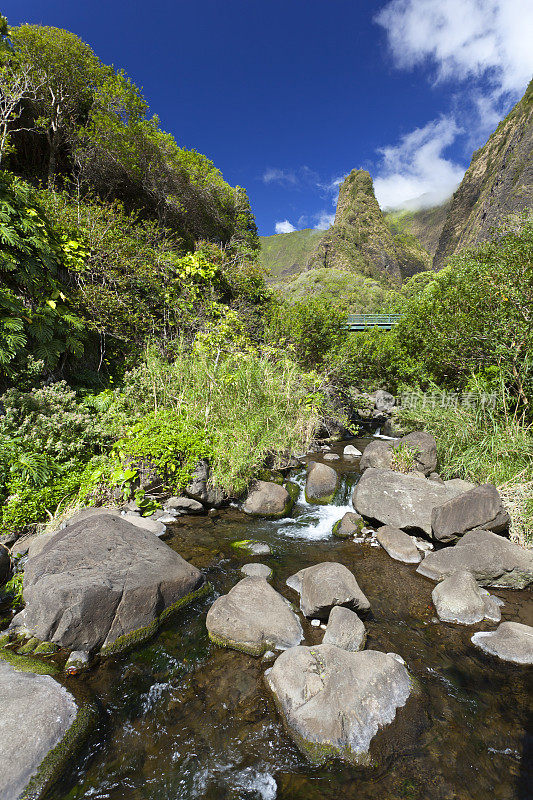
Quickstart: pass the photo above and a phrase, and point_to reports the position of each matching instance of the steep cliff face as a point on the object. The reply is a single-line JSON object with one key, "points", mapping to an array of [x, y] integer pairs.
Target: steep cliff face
{"points": [[498, 182], [425, 224], [361, 240]]}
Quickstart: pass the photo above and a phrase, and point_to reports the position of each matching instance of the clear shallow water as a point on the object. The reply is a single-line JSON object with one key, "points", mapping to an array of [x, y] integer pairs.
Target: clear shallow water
{"points": [[184, 720]]}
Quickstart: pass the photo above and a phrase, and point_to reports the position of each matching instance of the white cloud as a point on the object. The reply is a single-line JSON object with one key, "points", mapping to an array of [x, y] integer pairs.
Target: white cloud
{"points": [[284, 227], [486, 43], [324, 220], [416, 168], [283, 176]]}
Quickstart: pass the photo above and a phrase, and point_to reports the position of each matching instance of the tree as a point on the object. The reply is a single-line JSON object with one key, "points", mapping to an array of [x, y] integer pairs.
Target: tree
{"points": [[245, 230], [65, 74]]}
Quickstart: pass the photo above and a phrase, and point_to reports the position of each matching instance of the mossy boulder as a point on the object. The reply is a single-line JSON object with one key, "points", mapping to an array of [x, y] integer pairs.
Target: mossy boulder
{"points": [[321, 484], [102, 585], [267, 499], [293, 489], [41, 727], [334, 702], [350, 525], [253, 618]]}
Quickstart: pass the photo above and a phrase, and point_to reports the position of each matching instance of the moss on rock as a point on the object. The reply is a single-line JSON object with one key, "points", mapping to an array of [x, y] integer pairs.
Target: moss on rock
{"points": [[129, 640]]}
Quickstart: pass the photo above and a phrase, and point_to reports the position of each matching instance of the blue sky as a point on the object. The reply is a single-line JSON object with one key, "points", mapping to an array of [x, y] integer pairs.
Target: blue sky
{"points": [[287, 97]]}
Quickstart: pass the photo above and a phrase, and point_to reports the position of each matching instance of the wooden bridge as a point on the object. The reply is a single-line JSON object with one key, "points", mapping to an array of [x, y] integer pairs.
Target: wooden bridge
{"points": [[361, 322]]}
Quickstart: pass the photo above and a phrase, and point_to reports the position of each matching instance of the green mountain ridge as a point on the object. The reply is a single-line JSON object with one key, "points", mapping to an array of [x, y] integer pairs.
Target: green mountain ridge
{"points": [[283, 255]]}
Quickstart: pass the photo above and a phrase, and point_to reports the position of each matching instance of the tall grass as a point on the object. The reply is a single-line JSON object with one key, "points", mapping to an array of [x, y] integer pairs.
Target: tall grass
{"points": [[483, 444], [251, 406]]}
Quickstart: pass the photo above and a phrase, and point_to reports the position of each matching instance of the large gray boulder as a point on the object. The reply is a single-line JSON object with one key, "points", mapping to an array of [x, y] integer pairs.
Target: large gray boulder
{"points": [[266, 499], [152, 525], [376, 455], [86, 513], [459, 599], [398, 545], [253, 618], [103, 584], [334, 701], [424, 449], [345, 630], [492, 559], [511, 641], [321, 483], [325, 585], [480, 507], [36, 714], [403, 501]]}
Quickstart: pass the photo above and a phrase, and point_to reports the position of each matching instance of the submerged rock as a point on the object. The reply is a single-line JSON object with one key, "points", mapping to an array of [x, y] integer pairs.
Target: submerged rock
{"points": [[398, 545], [480, 507], [253, 618], [254, 548], [403, 501], [351, 452], [511, 641], [257, 571], [493, 560], [334, 701], [267, 500], [345, 630], [459, 599], [321, 483], [103, 584], [37, 714], [325, 585]]}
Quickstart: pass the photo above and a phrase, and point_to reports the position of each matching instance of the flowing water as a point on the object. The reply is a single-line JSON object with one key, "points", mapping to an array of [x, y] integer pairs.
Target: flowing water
{"points": [[184, 720]]}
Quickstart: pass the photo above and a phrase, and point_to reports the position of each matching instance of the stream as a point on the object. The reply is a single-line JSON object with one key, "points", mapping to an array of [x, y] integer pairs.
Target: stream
{"points": [[182, 719]]}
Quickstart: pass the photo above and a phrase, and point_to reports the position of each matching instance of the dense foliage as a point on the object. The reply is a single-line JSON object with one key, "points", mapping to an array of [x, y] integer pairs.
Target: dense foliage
{"points": [[137, 333], [473, 317]]}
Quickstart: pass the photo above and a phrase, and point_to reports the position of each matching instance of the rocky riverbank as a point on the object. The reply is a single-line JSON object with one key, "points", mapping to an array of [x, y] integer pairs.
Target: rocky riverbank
{"points": [[119, 605]]}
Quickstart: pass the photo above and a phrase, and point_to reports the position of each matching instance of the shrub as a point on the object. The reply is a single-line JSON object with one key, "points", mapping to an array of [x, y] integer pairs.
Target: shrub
{"points": [[170, 444], [375, 358], [476, 314], [308, 330], [52, 421]]}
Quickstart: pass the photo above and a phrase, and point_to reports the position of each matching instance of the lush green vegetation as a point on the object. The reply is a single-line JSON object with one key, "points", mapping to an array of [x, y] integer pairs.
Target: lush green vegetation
{"points": [[137, 334], [348, 291], [132, 303]]}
